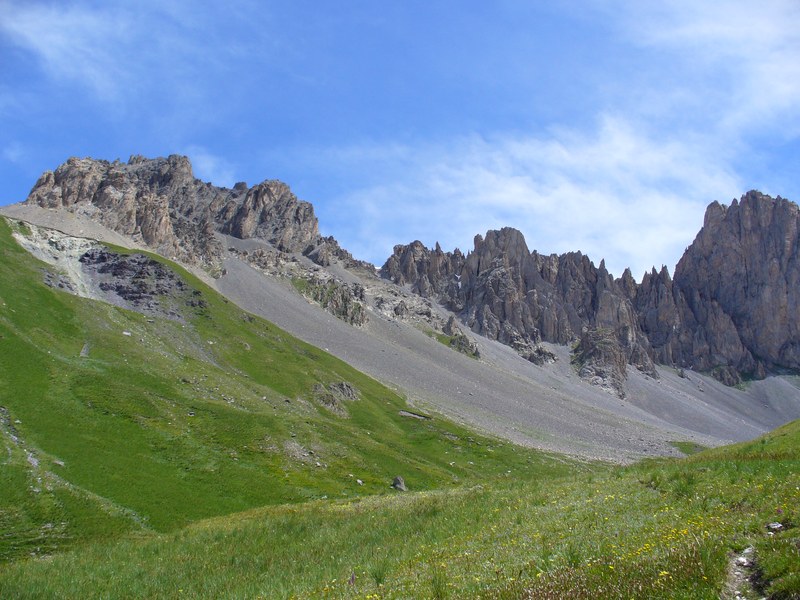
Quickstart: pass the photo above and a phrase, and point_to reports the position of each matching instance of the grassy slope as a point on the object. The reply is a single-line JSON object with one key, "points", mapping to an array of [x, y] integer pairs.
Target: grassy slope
{"points": [[176, 423], [658, 529]]}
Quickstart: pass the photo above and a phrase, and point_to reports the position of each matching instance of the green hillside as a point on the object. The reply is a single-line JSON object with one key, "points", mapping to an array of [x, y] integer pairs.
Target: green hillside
{"points": [[181, 421], [181, 461], [661, 529]]}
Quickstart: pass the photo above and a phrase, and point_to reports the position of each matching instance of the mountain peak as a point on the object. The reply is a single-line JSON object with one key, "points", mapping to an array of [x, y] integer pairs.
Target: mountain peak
{"points": [[161, 202]]}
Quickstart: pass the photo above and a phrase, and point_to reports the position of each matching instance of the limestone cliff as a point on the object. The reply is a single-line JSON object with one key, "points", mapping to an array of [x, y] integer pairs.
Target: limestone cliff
{"points": [[505, 292]]}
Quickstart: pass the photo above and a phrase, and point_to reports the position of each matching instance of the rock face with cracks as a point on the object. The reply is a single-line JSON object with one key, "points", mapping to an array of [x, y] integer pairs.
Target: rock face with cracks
{"points": [[733, 307], [505, 292]]}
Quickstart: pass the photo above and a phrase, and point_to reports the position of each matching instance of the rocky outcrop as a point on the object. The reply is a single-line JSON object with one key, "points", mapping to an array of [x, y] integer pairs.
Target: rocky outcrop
{"points": [[344, 301], [732, 309], [157, 202], [269, 211], [140, 283], [327, 250], [335, 395], [132, 281], [160, 203], [458, 340], [505, 292], [599, 359]]}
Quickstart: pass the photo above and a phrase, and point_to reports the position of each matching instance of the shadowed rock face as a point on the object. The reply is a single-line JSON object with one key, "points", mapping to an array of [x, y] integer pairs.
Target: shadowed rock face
{"points": [[733, 307]]}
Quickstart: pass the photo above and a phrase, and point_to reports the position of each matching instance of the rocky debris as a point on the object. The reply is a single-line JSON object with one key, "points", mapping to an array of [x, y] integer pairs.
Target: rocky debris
{"points": [[268, 260], [400, 309], [7, 426], [458, 340], [131, 281], [742, 572], [334, 395], [344, 390], [140, 283], [399, 484], [599, 360], [296, 451], [731, 309], [327, 251], [344, 301], [397, 304], [539, 355], [59, 281]]}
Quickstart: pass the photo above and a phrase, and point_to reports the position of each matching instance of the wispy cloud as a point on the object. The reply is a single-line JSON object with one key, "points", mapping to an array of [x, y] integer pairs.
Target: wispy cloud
{"points": [[614, 193], [75, 42], [125, 53], [633, 189], [209, 167], [739, 57], [13, 152]]}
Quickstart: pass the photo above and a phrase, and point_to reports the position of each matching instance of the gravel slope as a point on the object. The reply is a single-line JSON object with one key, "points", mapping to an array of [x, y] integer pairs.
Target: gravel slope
{"points": [[548, 407]]}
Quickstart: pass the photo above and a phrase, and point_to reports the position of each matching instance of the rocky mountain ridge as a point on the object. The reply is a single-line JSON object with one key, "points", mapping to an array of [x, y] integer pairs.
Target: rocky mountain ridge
{"points": [[731, 308], [160, 203]]}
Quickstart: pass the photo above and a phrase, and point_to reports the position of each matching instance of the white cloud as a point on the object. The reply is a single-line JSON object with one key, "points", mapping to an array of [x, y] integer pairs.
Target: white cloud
{"points": [[74, 42], [212, 168], [125, 54], [633, 190], [615, 193], [741, 57]]}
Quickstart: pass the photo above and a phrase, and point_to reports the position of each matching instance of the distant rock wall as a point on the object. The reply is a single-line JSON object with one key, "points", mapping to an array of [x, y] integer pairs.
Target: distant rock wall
{"points": [[732, 309], [521, 298]]}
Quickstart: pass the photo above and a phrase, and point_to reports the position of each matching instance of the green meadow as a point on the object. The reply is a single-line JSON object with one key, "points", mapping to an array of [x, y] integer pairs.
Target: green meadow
{"points": [[211, 457]]}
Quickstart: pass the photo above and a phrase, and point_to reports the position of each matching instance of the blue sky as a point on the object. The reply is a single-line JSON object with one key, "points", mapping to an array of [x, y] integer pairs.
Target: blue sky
{"points": [[605, 127]]}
